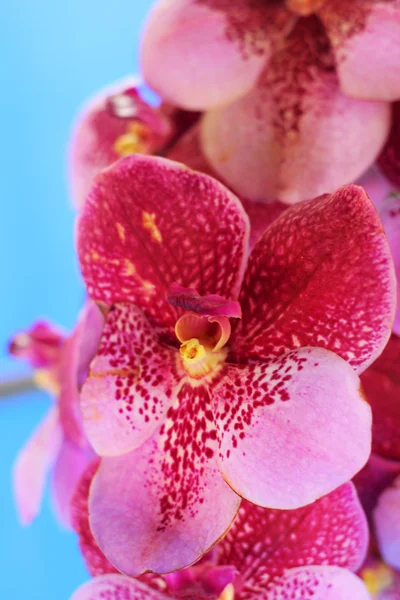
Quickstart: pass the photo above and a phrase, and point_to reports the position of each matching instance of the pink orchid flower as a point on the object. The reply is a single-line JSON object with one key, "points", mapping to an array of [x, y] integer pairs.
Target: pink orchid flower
{"points": [[115, 123], [59, 443], [297, 93], [387, 524], [193, 408], [267, 554]]}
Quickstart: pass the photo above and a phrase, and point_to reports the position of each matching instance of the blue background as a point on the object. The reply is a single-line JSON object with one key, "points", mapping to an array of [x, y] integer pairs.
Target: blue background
{"points": [[54, 55]]}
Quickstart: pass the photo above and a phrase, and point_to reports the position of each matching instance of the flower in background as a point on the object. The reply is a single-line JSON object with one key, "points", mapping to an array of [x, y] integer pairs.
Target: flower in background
{"points": [[266, 554], [297, 93], [191, 406], [389, 160], [118, 122], [59, 443]]}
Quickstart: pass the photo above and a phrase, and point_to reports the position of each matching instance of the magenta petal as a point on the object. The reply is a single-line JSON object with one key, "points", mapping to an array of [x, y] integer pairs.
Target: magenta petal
{"points": [[292, 429], [129, 388], [162, 506], [321, 275], [296, 135], [381, 383], [365, 37], [211, 305], [390, 215], [116, 587], [199, 54], [376, 185], [387, 524], [149, 222], [318, 583], [33, 464], [333, 530], [370, 482], [389, 160], [71, 463]]}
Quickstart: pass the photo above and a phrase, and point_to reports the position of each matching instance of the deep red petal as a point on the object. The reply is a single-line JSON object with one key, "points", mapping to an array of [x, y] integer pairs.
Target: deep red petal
{"points": [[322, 275], [149, 222], [389, 160]]}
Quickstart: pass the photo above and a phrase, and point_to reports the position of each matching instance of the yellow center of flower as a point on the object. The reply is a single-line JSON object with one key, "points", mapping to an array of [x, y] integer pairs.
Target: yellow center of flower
{"points": [[377, 579], [199, 359], [133, 141]]}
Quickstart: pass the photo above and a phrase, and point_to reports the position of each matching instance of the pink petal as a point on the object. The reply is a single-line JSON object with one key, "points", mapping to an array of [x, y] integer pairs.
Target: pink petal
{"points": [[40, 345], [199, 54], [381, 383], [116, 587], [211, 305], [318, 583], [164, 505], [149, 222], [370, 482], [390, 215], [387, 524], [104, 123], [296, 135], [33, 464], [261, 216], [264, 543], [129, 389], [322, 276], [365, 38], [71, 463], [291, 429], [389, 160], [96, 562]]}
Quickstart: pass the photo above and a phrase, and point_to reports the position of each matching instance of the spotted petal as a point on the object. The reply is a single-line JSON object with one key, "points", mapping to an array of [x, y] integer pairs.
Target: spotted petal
{"points": [[202, 53], [149, 222], [129, 388], [296, 135], [387, 524], [162, 506], [116, 587], [365, 38], [264, 543], [322, 275], [291, 429], [318, 583], [33, 464]]}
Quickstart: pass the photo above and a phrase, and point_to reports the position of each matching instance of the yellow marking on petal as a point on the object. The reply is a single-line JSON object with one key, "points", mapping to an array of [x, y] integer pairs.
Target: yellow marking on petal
{"points": [[378, 578], [148, 287], [129, 268], [44, 380], [95, 255], [115, 373], [149, 223], [120, 231], [135, 140], [304, 7], [228, 593]]}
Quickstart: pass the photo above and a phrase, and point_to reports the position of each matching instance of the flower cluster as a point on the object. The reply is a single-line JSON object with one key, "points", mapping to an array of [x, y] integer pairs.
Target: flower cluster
{"points": [[237, 358]]}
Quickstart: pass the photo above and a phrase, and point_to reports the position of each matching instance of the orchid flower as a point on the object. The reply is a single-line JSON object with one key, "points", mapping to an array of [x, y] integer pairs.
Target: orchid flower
{"points": [[59, 443], [297, 92], [389, 160], [382, 581], [263, 555], [218, 375]]}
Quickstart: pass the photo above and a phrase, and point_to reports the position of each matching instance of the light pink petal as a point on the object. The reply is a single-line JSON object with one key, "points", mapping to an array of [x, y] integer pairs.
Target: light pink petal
{"points": [[116, 122], [187, 150], [370, 482], [377, 187], [318, 583], [149, 222], [264, 543], [116, 587], [291, 429], [33, 464], [40, 345], [164, 505], [321, 275], [130, 384], [365, 38], [202, 53], [390, 215], [90, 327], [381, 383], [68, 469], [387, 524], [296, 135], [389, 160]]}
